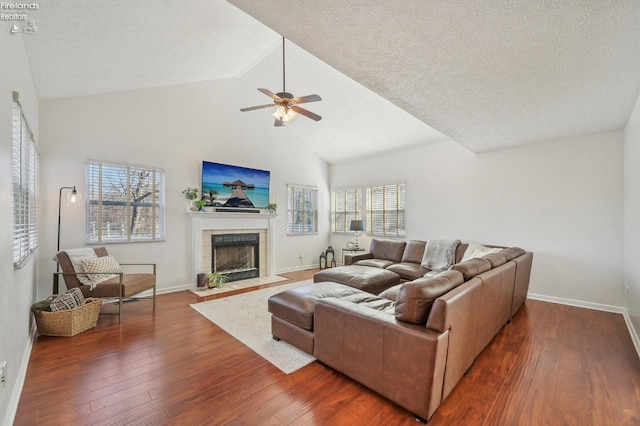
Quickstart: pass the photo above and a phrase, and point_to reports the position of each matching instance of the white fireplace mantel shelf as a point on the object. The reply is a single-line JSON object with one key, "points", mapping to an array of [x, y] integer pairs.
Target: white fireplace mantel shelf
{"points": [[231, 214], [210, 220]]}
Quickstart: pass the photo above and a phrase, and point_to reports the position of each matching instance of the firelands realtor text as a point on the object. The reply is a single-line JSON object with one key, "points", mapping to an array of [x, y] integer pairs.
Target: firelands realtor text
{"points": [[12, 11]]}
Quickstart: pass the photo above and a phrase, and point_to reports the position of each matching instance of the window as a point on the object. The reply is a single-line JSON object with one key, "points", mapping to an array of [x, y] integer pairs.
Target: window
{"points": [[25, 170], [302, 210], [346, 205], [385, 210], [124, 203]]}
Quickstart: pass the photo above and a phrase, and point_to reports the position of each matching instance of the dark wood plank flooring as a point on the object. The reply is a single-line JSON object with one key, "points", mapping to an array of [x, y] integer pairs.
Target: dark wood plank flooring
{"points": [[553, 365]]}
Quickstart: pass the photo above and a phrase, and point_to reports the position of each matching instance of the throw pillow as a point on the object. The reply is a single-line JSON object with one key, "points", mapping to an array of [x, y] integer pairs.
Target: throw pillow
{"points": [[63, 302], [101, 269], [477, 250], [76, 256], [77, 295]]}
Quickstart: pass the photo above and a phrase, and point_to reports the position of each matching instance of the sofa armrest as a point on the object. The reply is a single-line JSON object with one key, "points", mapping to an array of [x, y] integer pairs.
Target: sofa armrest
{"points": [[458, 312], [350, 259], [403, 362]]}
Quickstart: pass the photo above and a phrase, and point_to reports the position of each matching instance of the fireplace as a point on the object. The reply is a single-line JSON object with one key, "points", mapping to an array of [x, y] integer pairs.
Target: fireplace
{"points": [[236, 255], [205, 225]]}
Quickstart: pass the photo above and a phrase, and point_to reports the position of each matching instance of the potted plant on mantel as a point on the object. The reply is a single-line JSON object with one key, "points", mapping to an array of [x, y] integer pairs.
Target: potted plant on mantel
{"points": [[271, 208], [216, 279], [191, 194]]}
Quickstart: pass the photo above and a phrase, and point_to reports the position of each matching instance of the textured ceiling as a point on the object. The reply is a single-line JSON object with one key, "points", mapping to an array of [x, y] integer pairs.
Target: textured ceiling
{"points": [[488, 74], [392, 74]]}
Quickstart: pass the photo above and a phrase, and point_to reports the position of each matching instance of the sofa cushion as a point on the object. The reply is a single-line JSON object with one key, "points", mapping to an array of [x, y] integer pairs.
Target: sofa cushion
{"points": [[371, 301], [366, 278], [495, 259], [391, 293], [407, 270], [512, 252], [376, 263], [414, 251], [387, 249], [472, 267], [414, 299], [297, 304]]}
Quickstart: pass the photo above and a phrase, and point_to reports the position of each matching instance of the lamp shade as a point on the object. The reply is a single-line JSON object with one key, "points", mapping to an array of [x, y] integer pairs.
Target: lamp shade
{"points": [[356, 225]]}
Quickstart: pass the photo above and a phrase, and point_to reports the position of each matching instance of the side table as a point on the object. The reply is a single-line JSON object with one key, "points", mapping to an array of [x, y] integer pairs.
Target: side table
{"points": [[350, 250]]}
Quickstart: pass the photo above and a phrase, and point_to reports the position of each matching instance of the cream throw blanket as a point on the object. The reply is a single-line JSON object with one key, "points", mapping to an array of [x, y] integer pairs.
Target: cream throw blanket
{"points": [[439, 254]]}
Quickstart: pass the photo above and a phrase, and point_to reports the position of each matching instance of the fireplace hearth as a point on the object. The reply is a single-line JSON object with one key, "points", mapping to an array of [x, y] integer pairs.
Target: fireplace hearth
{"points": [[236, 255]]}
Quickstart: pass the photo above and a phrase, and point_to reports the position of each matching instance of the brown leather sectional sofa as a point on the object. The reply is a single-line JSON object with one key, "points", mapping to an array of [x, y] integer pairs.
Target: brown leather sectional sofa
{"points": [[413, 342]]}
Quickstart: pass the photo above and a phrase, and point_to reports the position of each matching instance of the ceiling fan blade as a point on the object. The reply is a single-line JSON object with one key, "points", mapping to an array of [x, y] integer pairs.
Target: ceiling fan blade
{"points": [[257, 107], [270, 94], [278, 123], [306, 113], [309, 98]]}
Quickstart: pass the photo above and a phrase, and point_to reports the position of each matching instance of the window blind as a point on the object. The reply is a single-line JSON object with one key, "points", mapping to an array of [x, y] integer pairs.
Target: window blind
{"points": [[386, 210], [25, 170], [125, 203], [345, 207], [302, 210]]}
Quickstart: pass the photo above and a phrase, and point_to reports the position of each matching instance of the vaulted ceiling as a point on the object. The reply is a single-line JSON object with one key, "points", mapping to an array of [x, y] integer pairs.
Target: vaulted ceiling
{"points": [[392, 73]]}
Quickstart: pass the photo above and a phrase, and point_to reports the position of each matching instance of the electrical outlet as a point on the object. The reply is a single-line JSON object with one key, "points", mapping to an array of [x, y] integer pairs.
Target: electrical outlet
{"points": [[3, 373]]}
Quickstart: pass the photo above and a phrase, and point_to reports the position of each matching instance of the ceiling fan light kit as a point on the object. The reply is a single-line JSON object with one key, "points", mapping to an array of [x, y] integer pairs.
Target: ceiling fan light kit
{"points": [[286, 105]]}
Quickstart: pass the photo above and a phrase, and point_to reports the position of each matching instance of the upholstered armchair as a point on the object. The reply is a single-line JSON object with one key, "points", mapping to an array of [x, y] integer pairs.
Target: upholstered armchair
{"points": [[99, 275]]}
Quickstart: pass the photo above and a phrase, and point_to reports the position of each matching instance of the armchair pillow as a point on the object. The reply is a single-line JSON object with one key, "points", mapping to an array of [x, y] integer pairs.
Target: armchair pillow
{"points": [[76, 256], [101, 269]]}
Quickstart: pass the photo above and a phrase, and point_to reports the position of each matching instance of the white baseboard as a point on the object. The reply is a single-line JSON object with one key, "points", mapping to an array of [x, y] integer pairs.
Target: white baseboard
{"points": [[16, 392], [632, 332], [577, 303], [296, 268], [597, 307]]}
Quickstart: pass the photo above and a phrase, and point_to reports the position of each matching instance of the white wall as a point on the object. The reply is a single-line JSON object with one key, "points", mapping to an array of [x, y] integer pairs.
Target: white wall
{"points": [[175, 128], [561, 199], [632, 216], [16, 286]]}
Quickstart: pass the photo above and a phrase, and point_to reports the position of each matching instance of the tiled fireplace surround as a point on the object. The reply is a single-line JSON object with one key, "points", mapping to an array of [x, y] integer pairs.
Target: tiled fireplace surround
{"points": [[205, 224]]}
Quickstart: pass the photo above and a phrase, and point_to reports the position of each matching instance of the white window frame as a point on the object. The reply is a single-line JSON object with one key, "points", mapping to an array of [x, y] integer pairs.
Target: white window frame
{"points": [[389, 220], [298, 217], [97, 230], [346, 205], [25, 174]]}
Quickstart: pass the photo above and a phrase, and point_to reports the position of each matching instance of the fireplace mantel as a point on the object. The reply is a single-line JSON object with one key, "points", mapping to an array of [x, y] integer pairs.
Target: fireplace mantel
{"points": [[215, 221]]}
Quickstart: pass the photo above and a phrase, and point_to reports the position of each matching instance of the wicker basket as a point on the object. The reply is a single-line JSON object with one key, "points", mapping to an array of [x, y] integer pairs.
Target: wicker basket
{"points": [[68, 322]]}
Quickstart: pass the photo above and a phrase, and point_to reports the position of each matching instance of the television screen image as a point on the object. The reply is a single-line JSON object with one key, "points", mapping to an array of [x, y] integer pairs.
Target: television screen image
{"points": [[235, 187]]}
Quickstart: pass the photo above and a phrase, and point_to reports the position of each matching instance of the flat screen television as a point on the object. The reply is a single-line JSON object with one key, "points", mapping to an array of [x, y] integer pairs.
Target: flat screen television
{"points": [[234, 187]]}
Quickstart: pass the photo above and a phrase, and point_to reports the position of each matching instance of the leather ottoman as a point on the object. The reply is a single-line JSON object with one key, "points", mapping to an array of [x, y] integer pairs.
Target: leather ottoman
{"points": [[367, 278], [292, 312]]}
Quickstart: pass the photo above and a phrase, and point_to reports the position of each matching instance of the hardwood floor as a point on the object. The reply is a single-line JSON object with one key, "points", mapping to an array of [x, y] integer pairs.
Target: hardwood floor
{"points": [[553, 365]]}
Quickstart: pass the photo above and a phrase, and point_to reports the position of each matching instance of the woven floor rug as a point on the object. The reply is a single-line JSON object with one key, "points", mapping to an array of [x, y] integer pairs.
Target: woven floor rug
{"points": [[246, 318]]}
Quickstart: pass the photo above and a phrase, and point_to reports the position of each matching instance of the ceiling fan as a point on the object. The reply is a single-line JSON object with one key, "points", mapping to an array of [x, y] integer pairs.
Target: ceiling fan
{"points": [[286, 105]]}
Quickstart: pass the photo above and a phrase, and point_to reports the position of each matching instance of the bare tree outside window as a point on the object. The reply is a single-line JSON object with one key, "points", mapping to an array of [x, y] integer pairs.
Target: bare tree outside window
{"points": [[125, 203], [302, 210]]}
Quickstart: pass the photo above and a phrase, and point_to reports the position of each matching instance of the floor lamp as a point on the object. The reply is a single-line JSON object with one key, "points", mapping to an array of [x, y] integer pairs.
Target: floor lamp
{"points": [[73, 197]]}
